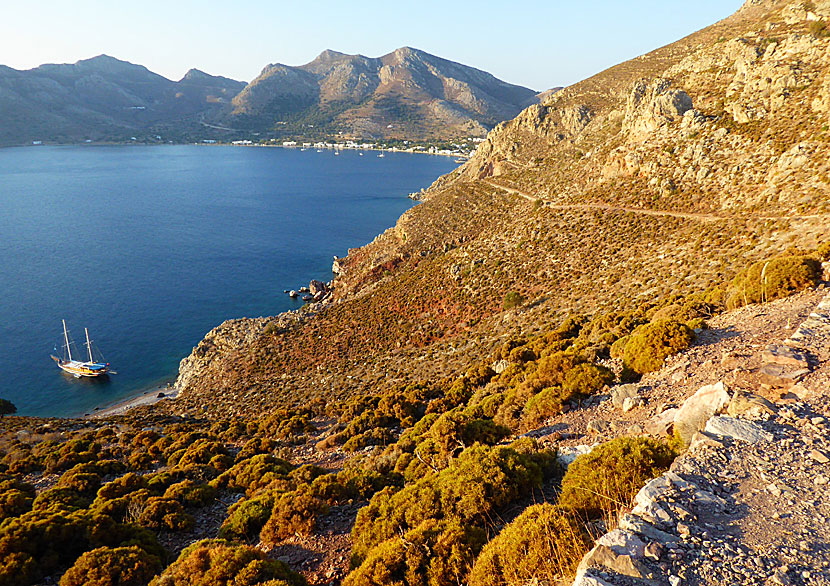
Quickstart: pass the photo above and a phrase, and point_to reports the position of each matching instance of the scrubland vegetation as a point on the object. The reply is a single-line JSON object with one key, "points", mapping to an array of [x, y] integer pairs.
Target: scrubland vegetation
{"points": [[434, 466]]}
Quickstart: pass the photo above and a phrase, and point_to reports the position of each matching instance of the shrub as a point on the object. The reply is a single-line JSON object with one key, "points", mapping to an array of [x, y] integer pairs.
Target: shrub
{"points": [[818, 28], [164, 513], [476, 483], [15, 498], [247, 518], [119, 487], [215, 562], [610, 475], [104, 566], [294, 513], [650, 344], [436, 553], [773, 279], [191, 494], [66, 499], [84, 483], [7, 407], [544, 543], [512, 299], [253, 474], [39, 543]]}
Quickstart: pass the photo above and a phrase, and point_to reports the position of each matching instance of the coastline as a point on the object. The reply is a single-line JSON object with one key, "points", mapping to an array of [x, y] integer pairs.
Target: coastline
{"points": [[227, 144], [150, 396]]}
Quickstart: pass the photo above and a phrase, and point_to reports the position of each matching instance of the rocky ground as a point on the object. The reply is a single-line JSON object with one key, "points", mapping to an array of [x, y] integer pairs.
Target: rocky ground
{"points": [[730, 351], [748, 503]]}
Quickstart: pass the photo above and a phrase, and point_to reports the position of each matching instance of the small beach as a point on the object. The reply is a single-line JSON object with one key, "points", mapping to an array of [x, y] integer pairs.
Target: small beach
{"points": [[148, 397]]}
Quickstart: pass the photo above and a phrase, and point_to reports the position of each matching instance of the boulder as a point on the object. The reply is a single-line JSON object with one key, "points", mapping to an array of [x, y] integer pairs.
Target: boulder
{"points": [[632, 403], [499, 366], [293, 294], [697, 409], [661, 424], [620, 393], [743, 403], [785, 356], [315, 287], [597, 426], [779, 376], [736, 429], [567, 454], [652, 105], [619, 551]]}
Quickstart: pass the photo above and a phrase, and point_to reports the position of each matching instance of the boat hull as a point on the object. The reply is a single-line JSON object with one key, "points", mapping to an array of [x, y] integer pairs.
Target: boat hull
{"points": [[79, 369]]}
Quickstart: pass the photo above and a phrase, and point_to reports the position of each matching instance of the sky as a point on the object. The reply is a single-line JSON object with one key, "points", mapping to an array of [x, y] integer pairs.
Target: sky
{"points": [[538, 44]]}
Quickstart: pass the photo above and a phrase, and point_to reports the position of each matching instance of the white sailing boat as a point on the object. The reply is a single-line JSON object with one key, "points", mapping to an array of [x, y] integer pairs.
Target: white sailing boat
{"points": [[79, 368]]}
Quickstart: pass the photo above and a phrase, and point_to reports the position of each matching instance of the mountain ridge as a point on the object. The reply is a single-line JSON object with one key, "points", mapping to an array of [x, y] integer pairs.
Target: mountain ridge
{"points": [[405, 94], [362, 96]]}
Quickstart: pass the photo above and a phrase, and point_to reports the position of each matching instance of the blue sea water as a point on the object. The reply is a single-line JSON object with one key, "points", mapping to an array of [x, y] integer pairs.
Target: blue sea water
{"points": [[151, 247]]}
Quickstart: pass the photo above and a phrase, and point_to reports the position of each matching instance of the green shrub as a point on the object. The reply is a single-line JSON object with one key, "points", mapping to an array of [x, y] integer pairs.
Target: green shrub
{"points": [[611, 474], [253, 474], [818, 28], [774, 278], [215, 562], [84, 483], [191, 494], [474, 485], [512, 299], [58, 498], [104, 566], [164, 513], [435, 552], [16, 498], [545, 544], [294, 513], [246, 518], [652, 343], [119, 487], [7, 407], [39, 543]]}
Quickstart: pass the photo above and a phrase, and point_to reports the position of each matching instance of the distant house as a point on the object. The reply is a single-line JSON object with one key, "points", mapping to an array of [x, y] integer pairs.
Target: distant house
{"points": [[209, 141], [290, 143], [36, 142]]}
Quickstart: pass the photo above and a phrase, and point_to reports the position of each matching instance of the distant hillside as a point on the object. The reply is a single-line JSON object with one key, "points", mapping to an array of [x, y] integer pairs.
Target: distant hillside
{"points": [[405, 94], [102, 98]]}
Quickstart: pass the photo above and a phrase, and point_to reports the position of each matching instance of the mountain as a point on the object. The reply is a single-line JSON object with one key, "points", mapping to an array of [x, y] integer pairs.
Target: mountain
{"points": [[614, 317], [103, 98], [662, 176], [405, 94]]}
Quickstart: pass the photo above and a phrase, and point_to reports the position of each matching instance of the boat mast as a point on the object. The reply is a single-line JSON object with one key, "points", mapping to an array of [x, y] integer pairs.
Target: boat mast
{"points": [[66, 337], [88, 345]]}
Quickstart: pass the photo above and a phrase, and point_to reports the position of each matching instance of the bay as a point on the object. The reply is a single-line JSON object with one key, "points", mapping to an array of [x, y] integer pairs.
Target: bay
{"points": [[151, 246]]}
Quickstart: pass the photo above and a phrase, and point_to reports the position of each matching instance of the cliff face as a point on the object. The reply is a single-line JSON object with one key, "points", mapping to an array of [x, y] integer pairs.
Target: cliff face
{"points": [[662, 175], [407, 93]]}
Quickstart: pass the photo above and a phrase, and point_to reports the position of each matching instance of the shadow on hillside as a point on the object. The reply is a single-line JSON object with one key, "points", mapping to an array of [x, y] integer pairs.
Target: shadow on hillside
{"points": [[296, 556]]}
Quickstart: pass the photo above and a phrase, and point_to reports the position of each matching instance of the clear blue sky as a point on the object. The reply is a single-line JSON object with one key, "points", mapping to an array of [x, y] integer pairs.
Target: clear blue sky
{"points": [[539, 44]]}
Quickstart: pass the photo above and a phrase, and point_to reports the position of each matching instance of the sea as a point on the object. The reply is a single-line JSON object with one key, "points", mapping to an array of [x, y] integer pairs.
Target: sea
{"points": [[149, 247]]}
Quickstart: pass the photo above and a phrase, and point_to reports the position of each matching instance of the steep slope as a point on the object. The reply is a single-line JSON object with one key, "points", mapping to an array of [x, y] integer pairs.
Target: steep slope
{"points": [[102, 98], [641, 182], [407, 94]]}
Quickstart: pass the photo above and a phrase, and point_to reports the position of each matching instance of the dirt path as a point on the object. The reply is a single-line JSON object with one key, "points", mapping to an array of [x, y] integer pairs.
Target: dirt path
{"points": [[647, 212]]}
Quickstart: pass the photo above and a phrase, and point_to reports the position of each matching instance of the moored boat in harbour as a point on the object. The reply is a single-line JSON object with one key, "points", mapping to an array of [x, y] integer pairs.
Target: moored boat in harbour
{"points": [[77, 368]]}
